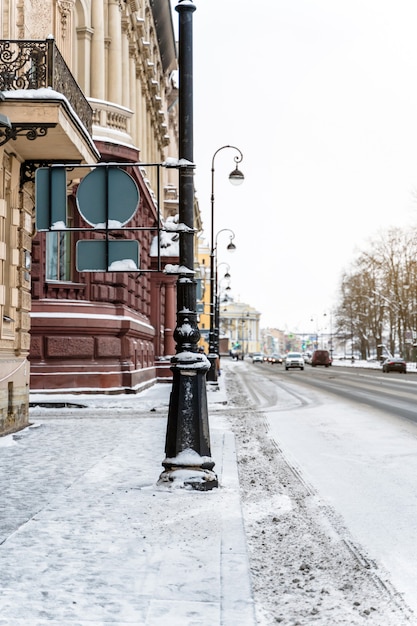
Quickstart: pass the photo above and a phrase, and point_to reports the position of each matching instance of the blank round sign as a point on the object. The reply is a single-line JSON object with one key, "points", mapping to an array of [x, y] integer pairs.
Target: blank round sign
{"points": [[107, 194]]}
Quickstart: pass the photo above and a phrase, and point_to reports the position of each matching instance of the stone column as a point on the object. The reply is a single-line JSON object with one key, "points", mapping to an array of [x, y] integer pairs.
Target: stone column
{"points": [[132, 95], [125, 64], [156, 321], [97, 73], [115, 53], [84, 37], [170, 317], [138, 110]]}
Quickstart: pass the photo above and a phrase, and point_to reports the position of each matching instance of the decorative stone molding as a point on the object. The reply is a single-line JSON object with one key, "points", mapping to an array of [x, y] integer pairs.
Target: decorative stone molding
{"points": [[65, 8]]}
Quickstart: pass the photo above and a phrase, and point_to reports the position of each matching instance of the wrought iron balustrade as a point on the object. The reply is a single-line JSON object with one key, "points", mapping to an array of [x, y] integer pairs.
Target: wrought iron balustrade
{"points": [[33, 64]]}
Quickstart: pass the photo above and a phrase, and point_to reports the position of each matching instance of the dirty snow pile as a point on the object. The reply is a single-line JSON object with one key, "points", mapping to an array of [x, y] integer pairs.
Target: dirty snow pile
{"points": [[305, 567]]}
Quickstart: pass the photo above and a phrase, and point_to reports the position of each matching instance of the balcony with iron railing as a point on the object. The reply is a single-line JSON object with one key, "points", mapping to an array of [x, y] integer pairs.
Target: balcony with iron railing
{"points": [[36, 64]]}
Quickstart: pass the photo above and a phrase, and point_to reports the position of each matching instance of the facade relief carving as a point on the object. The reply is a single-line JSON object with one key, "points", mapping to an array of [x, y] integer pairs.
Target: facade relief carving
{"points": [[65, 8]]}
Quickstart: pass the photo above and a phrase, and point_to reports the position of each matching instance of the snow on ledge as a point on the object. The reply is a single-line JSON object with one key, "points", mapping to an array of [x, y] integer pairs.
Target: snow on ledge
{"points": [[177, 269]]}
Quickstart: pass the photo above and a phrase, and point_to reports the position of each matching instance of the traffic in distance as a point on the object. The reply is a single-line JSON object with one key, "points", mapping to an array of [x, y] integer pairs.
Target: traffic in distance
{"points": [[297, 360]]}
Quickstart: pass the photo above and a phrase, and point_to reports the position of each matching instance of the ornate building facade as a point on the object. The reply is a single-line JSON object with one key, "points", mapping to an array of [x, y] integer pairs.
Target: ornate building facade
{"points": [[84, 82], [239, 328]]}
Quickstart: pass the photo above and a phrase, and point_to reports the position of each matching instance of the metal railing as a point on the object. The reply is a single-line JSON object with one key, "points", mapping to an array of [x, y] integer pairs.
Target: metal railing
{"points": [[33, 64]]}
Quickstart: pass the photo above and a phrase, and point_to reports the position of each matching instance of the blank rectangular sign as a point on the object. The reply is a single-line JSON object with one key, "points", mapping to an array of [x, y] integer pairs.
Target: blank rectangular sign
{"points": [[50, 198], [101, 255]]}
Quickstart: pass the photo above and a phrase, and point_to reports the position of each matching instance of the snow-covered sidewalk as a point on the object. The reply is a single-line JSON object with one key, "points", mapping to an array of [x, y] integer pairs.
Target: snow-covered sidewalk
{"points": [[87, 538]]}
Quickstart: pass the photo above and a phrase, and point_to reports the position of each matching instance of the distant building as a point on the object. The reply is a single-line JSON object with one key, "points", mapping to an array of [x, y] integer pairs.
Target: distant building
{"points": [[274, 341], [239, 327], [203, 291]]}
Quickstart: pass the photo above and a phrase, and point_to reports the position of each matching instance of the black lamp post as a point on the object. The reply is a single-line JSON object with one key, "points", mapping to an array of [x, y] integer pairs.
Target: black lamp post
{"points": [[236, 178], [243, 321], [331, 334], [217, 302], [214, 335], [188, 459], [317, 329]]}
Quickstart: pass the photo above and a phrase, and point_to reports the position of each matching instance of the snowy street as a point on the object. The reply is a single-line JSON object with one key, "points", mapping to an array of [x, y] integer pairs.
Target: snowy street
{"points": [[364, 463], [329, 503]]}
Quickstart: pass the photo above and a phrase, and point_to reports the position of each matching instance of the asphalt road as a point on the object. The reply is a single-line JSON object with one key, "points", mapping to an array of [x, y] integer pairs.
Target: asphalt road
{"points": [[351, 436], [393, 393]]}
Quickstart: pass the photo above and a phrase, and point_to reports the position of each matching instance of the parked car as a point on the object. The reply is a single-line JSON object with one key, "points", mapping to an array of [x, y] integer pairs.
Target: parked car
{"points": [[274, 358], [394, 364], [257, 357], [321, 357], [294, 360]]}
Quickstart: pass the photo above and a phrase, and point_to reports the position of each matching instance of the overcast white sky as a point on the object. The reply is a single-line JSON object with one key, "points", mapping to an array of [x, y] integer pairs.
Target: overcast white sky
{"points": [[321, 98]]}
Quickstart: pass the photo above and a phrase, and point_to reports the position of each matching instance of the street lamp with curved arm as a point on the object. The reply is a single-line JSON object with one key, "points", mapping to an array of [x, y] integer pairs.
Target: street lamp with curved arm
{"points": [[236, 178], [217, 299], [330, 315], [315, 317], [230, 246], [227, 273], [214, 306]]}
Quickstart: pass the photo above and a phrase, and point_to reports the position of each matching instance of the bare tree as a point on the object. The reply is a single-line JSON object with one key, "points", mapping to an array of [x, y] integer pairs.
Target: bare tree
{"points": [[378, 301]]}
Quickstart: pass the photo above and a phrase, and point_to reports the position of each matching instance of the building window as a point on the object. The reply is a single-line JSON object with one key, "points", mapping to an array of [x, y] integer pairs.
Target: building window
{"points": [[58, 256], [59, 250]]}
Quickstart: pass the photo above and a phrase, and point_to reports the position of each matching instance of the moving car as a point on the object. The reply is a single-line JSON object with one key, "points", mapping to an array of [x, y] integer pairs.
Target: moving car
{"points": [[307, 357], [394, 364], [274, 358], [294, 360], [257, 357], [321, 357]]}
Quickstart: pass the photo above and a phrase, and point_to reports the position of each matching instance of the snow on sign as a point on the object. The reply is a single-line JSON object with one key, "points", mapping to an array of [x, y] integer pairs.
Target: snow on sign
{"points": [[107, 197], [50, 198], [104, 255]]}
